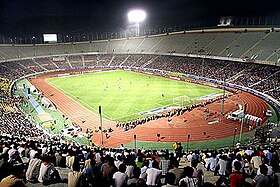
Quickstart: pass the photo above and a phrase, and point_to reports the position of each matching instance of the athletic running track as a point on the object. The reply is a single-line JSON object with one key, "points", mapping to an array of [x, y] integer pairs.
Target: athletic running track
{"points": [[173, 131]]}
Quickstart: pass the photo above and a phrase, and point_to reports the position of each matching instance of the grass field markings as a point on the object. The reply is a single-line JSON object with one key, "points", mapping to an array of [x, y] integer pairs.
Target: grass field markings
{"points": [[131, 106], [161, 105], [95, 110], [117, 118], [148, 95]]}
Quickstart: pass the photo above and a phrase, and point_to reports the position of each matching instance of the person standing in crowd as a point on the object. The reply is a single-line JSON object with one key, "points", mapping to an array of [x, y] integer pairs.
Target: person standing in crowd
{"points": [[133, 181], [236, 178], [153, 174], [262, 179], [197, 173], [256, 161], [120, 177], [178, 172]]}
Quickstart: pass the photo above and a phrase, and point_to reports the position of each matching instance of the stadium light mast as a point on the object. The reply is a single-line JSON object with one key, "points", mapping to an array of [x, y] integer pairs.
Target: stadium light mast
{"points": [[136, 16]]}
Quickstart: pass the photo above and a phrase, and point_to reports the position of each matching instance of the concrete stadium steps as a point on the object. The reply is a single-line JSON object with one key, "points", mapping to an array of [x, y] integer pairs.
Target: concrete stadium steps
{"points": [[217, 43], [266, 46], [115, 45]]}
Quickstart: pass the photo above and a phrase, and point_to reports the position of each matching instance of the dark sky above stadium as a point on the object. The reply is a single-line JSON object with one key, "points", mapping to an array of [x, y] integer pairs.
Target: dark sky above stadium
{"points": [[76, 15]]}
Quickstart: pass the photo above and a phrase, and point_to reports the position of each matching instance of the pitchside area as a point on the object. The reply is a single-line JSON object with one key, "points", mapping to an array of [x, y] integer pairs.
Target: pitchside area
{"points": [[127, 95]]}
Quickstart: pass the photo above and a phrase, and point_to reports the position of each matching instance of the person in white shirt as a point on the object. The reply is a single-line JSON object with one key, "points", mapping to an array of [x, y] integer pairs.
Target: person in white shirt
{"points": [[222, 164], [119, 161], [153, 174], [129, 166], [269, 168], [213, 162], [144, 169], [32, 153], [256, 161], [120, 177]]}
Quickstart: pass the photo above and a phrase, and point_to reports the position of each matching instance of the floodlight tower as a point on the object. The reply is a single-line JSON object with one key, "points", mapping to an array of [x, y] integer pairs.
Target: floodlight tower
{"points": [[136, 16]]}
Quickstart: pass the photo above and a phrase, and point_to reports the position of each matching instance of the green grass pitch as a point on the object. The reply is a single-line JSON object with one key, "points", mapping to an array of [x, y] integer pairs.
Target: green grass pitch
{"points": [[124, 94]]}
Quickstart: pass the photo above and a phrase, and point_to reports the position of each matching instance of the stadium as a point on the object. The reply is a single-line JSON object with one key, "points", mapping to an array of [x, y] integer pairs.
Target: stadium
{"points": [[204, 88]]}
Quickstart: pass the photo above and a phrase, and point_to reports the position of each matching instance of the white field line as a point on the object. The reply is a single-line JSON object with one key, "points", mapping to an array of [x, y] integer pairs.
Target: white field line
{"points": [[132, 106]]}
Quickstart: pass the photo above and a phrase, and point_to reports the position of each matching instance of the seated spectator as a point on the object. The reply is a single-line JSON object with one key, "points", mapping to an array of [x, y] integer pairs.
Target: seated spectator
{"points": [[76, 178], [48, 174], [33, 169]]}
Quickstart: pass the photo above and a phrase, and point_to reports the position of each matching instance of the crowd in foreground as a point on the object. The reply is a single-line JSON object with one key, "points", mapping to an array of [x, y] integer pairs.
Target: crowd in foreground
{"points": [[25, 161]]}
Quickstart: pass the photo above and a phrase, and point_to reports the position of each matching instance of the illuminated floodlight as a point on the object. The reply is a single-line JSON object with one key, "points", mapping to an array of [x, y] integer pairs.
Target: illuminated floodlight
{"points": [[136, 16]]}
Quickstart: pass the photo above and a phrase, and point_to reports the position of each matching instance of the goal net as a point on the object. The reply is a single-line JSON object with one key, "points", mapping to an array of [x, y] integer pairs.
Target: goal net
{"points": [[181, 100]]}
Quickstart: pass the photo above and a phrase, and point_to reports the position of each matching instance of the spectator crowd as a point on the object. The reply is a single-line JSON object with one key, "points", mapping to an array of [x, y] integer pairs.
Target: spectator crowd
{"points": [[24, 160]]}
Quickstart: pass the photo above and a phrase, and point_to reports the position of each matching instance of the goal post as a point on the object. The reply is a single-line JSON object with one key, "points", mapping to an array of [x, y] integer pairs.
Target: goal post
{"points": [[181, 100]]}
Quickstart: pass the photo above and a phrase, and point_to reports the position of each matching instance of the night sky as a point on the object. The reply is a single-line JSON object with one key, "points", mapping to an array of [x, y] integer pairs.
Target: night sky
{"points": [[35, 16]]}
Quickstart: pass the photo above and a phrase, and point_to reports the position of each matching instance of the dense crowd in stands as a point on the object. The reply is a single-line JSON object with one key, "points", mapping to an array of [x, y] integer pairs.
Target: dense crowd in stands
{"points": [[16, 124], [264, 78], [4, 88], [39, 161]]}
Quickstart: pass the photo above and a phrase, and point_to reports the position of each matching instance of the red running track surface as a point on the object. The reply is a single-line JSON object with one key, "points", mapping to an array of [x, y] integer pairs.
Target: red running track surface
{"points": [[173, 131]]}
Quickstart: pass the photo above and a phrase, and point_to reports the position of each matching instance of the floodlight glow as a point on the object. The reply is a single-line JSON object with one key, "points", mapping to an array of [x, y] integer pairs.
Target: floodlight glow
{"points": [[136, 16]]}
